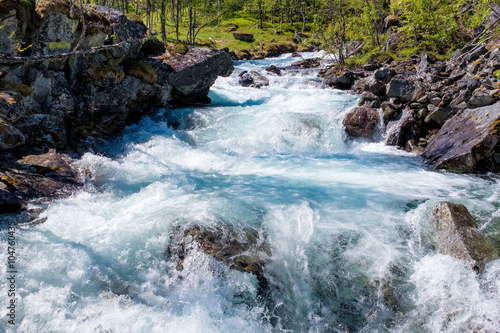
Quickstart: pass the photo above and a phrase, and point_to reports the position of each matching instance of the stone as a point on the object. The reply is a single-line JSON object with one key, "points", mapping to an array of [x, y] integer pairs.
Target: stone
{"points": [[408, 127], [10, 137], [253, 79], [463, 96], [479, 100], [402, 89], [48, 175], [467, 142], [454, 233], [243, 36], [369, 97], [344, 81], [275, 70], [385, 75], [390, 111], [243, 251], [361, 122], [306, 63], [371, 67], [195, 72], [439, 115], [467, 83]]}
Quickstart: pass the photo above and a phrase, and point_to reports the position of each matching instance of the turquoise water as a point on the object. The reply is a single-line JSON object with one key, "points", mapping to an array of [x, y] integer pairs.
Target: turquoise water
{"points": [[346, 223]]}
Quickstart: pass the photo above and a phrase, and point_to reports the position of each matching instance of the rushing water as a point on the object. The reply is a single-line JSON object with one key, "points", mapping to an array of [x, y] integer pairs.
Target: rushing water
{"points": [[346, 223]]}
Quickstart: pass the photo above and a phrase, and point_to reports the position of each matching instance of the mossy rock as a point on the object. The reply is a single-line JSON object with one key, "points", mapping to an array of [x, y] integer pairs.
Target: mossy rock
{"points": [[105, 73], [141, 70], [178, 48], [19, 88], [134, 17]]}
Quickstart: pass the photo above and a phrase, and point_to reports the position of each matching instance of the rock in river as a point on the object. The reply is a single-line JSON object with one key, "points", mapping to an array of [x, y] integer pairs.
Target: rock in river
{"points": [[361, 122], [455, 233], [467, 142]]}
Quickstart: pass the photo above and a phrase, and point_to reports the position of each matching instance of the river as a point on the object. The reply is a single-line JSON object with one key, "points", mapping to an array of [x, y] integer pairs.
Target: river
{"points": [[346, 222]]}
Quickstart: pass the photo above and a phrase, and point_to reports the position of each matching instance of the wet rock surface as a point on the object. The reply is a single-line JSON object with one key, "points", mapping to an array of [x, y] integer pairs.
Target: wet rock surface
{"points": [[455, 233], [420, 96], [45, 175], [467, 142], [361, 122], [242, 251]]}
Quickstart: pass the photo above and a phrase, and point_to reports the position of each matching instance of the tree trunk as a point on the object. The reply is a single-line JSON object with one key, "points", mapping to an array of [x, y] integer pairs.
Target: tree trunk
{"points": [[163, 17]]}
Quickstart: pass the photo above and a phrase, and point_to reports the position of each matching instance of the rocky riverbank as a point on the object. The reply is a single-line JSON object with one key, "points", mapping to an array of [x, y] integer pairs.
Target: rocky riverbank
{"points": [[445, 110], [90, 71]]}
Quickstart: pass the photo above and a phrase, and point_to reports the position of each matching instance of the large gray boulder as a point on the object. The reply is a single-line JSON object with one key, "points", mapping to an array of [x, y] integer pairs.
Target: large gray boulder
{"points": [[195, 72], [467, 142], [361, 122], [402, 89], [455, 233]]}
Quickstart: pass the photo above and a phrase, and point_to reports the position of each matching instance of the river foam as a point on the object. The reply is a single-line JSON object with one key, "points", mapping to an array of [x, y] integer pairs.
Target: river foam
{"points": [[346, 222]]}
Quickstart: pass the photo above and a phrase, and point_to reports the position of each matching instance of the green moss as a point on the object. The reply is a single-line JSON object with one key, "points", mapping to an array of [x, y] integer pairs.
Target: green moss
{"points": [[497, 74], [19, 88], [141, 70], [105, 73], [134, 17]]}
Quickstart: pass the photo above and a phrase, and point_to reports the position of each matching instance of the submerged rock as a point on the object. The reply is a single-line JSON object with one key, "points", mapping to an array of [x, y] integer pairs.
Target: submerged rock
{"points": [[244, 252], [467, 142], [361, 122], [253, 79], [455, 233]]}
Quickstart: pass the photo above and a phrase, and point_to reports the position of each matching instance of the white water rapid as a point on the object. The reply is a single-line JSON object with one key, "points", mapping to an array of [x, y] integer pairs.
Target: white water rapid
{"points": [[346, 223]]}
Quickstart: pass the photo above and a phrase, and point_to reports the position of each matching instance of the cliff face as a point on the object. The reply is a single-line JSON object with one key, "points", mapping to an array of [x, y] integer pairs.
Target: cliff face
{"points": [[88, 73]]}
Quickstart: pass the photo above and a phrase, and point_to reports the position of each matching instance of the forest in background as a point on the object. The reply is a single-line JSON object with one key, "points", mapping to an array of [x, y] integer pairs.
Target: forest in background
{"points": [[342, 27]]}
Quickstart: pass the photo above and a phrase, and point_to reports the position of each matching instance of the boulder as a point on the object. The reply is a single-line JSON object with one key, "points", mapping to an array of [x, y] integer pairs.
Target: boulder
{"points": [[402, 89], [253, 79], [243, 36], [361, 122], [48, 175], [455, 234], [242, 251], [467, 142], [344, 81], [10, 137], [385, 75], [195, 72], [275, 70], [479, 99], [368, 97]]}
